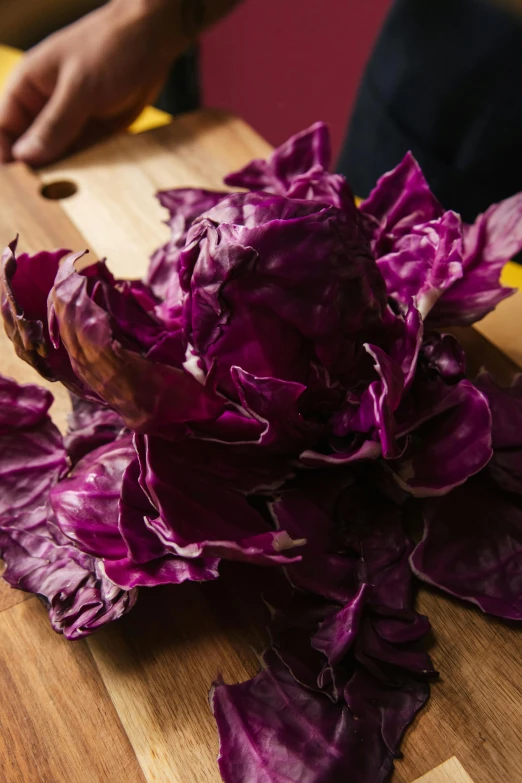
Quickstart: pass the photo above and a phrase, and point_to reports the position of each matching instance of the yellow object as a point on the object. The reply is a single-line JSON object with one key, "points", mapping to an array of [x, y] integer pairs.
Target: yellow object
{"points": [[512, 275], [148, 119], [9, 57]]}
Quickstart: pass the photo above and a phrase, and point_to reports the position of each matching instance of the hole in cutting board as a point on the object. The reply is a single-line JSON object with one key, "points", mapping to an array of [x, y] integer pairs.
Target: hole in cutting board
{"points": [[56, 191]]}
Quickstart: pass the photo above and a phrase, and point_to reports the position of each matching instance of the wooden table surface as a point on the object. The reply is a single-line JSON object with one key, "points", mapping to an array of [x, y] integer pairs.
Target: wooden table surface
{"points": [[129, 705]]}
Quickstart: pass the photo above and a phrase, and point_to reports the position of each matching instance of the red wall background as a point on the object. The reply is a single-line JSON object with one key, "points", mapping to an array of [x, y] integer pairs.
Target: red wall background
{"points": [[283, 64]]}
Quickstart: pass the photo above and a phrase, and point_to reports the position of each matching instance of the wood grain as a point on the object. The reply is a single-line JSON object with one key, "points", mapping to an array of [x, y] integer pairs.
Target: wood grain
{"points": [[13, 367], [8, 595], [149, 674], [115, 206], [503, 327], [41, 225], [480, 685], [451, 771], [158, 664], [478, 658], [57, 722]]}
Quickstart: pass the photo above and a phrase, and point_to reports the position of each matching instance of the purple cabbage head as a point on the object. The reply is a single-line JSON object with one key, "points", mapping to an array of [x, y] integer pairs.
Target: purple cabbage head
{"points": [[275, 391], [267, 325]]}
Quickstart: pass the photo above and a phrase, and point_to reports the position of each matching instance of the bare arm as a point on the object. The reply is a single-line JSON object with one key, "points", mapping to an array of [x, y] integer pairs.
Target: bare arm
{"points": [[180, 21], [95, 76], [197, 15]]}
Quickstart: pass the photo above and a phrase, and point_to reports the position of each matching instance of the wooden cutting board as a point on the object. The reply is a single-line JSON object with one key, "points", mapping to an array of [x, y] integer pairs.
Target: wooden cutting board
{"points": [[130, 704], [450, 772]]}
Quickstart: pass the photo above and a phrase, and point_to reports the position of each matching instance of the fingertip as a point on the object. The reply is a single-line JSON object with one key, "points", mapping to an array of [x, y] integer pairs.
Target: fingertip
{"points": [[29, 149]]}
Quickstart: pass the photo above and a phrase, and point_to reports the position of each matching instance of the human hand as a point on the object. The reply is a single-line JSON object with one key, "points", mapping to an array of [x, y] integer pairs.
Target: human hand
{"points": [[88, 80]]}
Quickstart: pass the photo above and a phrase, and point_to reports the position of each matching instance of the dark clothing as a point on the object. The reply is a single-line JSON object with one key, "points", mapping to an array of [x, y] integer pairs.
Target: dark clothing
{"points": [[444, 81], [181, 91]]}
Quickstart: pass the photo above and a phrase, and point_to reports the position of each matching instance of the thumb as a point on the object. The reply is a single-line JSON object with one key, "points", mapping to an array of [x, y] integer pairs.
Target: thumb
{"points": [[56, 127]]}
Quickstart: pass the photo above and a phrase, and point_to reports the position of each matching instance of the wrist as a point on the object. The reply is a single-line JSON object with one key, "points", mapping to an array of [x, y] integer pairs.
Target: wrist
{"points": [[183, 20], [160, 20]]}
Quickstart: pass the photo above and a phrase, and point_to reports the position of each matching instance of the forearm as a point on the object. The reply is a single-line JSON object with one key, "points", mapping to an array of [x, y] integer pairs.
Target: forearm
{"points": [[176, 23], [197, 15], [96, 75]]}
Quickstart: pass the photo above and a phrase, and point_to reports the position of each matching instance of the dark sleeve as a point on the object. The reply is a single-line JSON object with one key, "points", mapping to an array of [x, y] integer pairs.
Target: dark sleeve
{"points": [[443, 81]]}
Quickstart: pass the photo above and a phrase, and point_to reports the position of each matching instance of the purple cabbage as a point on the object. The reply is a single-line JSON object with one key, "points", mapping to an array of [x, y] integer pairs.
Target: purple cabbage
{"points": [[494, 238], [274, 392], [450, 431], [402, 220], [38, 557], [103, 511], [472, 547], [472, 543], [85, 504], [31, 404], [201, 501], [299, 169], [424, 263], [184, 207], [25, 282], [273, 730], [274, 332], [345, 675], [115, 343], [505, 467], [276, 286], [90, 425], [147, 562]]}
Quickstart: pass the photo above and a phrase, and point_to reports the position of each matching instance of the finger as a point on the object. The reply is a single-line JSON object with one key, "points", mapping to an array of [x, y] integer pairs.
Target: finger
{"points": [[97, 130], [56, 127], [24, 84], [93, 133], [14, 121], [19, 105]]}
